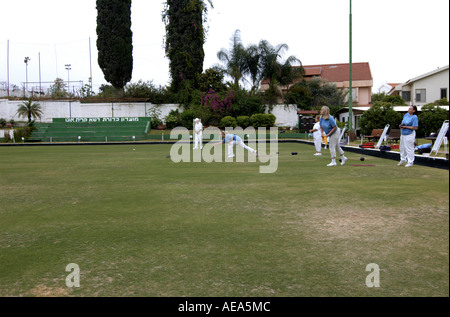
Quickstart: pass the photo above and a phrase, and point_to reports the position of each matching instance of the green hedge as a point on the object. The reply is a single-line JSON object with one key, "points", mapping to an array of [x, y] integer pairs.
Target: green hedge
{"points": [[228, 122], [243, 121], [259, 120], [262, 120]]}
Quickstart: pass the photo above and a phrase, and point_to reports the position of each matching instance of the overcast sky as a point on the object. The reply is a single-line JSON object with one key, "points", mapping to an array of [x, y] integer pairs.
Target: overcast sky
{"points": [[400, 39]]}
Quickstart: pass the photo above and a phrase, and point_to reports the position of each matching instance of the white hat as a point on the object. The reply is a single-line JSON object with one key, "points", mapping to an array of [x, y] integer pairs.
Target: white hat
{"points": [[196, 119]]}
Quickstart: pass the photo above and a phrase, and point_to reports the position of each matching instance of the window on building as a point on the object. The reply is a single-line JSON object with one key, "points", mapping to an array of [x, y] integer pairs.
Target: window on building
{"points": [[443, 93], [406, 95], [353, 93], [421, 95]]}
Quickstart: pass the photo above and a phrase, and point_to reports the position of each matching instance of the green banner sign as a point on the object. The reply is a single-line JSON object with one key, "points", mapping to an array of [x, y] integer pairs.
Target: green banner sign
{"points": [[100, 120]]}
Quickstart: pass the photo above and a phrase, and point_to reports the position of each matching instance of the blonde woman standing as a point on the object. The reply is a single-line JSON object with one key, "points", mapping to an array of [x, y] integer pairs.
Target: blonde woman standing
{"points": [[329, 127]]}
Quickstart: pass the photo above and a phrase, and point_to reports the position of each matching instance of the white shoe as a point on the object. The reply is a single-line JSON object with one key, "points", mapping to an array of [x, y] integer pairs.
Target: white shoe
{"points": [[231, 155], [409, 165], [343, 160], [401, 163], [317, 154], [196, 148], [332, 164]]}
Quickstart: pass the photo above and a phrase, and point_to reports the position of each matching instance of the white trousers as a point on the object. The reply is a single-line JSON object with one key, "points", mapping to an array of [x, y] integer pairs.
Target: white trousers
{"points": [[318, 143], [241, 144], [333, 144], [407, 147], [198, 139]]}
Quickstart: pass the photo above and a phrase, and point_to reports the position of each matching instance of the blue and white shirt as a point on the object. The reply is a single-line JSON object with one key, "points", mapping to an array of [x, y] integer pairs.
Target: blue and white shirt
{"points": [[231, 137], [409, 121]]}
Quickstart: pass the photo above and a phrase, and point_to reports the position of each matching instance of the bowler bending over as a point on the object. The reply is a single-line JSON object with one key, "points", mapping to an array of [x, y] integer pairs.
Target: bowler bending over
{"points": [[233, 139]]}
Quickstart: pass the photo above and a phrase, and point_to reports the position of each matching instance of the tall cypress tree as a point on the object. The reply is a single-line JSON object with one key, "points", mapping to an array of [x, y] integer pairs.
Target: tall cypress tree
{"points": [[114, 41], [185, 36]]}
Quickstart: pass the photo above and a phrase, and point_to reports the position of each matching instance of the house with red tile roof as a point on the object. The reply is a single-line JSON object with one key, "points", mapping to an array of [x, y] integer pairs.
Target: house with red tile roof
{"points": [[339, 75]]}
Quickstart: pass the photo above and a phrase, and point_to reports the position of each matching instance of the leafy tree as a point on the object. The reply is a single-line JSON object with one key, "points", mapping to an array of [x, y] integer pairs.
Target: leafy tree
{"points": [[431, 118], [395, 100], [313, 94], [187, 118], [383, 97], [212, 78], [29, 109], [114, 41], [442, 102], [378, 97], [86, 91], [108, 91], [300, 95], [58, 89], [173, 119], [185, 36], [246, 104], [377, 116], [141, 89]]}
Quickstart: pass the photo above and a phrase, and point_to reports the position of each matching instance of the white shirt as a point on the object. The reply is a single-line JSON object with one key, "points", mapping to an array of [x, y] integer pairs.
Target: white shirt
{"points": [[317, 133], [198, 127]]}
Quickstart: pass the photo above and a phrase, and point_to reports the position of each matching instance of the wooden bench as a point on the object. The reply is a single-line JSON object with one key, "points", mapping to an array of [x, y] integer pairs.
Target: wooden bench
{"points": [[376, 134], [394, 135]]}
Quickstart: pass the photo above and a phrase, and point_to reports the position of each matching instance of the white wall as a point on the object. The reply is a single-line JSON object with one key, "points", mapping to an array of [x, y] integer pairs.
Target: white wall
{"points": [[3, 132], [75, 109], [286, 115], [433, 85]]}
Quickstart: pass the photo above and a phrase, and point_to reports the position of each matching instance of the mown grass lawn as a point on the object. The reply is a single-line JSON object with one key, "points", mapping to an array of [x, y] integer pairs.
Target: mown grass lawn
{"points": [[138, 224]]}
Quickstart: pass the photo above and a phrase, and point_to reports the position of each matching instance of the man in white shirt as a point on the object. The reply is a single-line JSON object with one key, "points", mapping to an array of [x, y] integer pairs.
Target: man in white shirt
{"points": [[198, 134]]}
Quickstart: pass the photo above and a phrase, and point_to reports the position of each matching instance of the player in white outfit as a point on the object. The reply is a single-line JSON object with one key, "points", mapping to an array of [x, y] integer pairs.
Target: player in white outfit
{"points": [[317, 136], [198, 134]]}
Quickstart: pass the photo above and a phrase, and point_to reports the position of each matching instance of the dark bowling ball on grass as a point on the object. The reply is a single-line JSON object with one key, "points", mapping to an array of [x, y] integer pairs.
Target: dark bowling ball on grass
{"points": [[294, 153], [362, 159]]}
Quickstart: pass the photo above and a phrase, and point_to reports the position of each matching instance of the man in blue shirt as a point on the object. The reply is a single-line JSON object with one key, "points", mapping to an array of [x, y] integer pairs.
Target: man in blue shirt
{"points": [[408, 127], [233, 139]]}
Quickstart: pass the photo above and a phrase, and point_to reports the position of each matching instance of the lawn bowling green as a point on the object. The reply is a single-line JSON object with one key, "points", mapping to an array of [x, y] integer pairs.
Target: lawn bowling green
{"points": [[138, 224]]}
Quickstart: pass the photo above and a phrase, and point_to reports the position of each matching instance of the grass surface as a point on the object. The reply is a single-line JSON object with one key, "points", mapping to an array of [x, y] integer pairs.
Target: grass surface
{"points": [[138, 224]]}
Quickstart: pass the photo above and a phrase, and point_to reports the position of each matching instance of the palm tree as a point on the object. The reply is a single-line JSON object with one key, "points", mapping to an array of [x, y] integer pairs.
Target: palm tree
{"points": [[259, 62], [234, 59], [253, 65], [272, 68], [29, 109]]}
